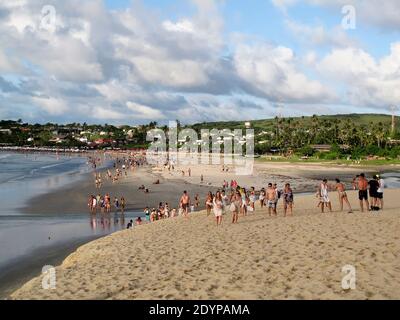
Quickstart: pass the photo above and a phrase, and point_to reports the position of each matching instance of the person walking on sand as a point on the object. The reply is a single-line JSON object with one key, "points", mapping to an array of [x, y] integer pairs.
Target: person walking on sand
{"points": [[218, 207], [362, 184], [341, 189], [324, 194], [288, 200], [271, 200], [225, 201], [236, 204], [209, 203], [184, 203]]}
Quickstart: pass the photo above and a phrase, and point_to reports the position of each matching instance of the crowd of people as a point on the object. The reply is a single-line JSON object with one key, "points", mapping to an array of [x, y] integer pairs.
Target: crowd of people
{"points": [[240, 201], [373, 189], [104, 204], [235, 199]]}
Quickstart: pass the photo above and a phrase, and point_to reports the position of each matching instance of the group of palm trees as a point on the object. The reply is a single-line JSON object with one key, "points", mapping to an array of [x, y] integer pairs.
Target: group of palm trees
{"points": [[289, 133]]}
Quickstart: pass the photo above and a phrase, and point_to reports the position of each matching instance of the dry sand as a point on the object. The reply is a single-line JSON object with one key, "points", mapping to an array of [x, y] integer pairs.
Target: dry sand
{"points": [[300, 257], [303, 177]]}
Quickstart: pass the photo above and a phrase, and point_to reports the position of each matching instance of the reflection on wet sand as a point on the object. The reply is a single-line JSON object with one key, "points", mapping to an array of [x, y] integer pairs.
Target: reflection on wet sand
{"points": [[104, 221]]}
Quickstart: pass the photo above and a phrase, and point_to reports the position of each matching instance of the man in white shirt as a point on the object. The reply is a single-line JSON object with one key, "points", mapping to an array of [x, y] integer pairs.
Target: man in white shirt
{"points": [[380, 191]]}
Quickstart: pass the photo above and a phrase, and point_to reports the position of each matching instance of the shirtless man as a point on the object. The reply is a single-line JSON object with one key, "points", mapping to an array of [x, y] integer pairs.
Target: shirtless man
{"points": [[341, 189], [184, 203], [271, 199], [363, 191]]}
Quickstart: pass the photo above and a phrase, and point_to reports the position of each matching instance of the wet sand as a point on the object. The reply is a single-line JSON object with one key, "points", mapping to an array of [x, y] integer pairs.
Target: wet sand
{"points": [[304, 178], [20, 270], [74, 197]]}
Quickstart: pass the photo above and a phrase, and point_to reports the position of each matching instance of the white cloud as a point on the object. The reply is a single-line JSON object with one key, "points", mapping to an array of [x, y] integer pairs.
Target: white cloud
{"points": [[319, 35], [183, 25], [369, 82], [53, 106], [144, 112], [134, 65], [272, 70], [384, 14]]}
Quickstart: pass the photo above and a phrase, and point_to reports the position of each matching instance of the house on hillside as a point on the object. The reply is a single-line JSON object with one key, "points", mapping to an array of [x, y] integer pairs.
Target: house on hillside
{"points": [[5, 131], [58, 139]]}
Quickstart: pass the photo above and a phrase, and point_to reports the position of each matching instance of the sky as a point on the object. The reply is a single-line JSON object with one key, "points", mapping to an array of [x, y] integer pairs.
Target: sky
{"points": [[136, 61]]}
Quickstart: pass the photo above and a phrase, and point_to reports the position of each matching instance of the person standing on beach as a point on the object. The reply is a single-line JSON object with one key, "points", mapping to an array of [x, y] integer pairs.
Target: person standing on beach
{"points": [[196, 201], [288, 199], [107, 201], [225, 201], [341, 189], [123, 205], [277, 196], [184, 203], [271, 200], [147, 214], [209, 203], [373, 192], [243, 209], [93, 204], [363, 191], [116, 204], [90, 203], [218, 207], [262, 197], [252, 198], [324, 196], [380, 191]]}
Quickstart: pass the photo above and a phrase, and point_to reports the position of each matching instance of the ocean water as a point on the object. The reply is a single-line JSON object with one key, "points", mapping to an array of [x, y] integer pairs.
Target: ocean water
{"points": [[23, 176]]}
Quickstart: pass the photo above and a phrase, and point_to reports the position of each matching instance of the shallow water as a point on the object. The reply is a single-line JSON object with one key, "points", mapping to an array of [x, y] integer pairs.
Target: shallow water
{"points": [[24, 176]]}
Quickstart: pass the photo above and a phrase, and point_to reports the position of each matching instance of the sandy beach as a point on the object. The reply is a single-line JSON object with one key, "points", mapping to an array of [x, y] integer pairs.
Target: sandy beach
{"points": [[298, 257], [304, 178]]}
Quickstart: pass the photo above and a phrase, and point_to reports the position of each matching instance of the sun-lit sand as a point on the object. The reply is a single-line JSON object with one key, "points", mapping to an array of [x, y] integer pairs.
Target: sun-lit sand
{"points": [[298, 257]]}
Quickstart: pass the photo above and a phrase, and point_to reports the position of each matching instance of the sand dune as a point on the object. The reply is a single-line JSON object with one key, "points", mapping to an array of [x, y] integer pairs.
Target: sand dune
{"points": [[300, 257]]}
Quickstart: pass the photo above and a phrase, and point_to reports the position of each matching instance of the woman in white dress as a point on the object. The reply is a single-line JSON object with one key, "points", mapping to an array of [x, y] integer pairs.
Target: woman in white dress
{"points": [[217, 207], [324, 196], [225, 201]]}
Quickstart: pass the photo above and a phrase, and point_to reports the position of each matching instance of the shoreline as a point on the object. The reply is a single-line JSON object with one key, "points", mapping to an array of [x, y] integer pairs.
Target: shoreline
{"points": [[203, 251], [304, 178], [22, 269]]}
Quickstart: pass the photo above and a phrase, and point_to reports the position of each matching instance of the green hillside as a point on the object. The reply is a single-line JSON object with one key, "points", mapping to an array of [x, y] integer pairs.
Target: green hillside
{"points": [[356, 119]]}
